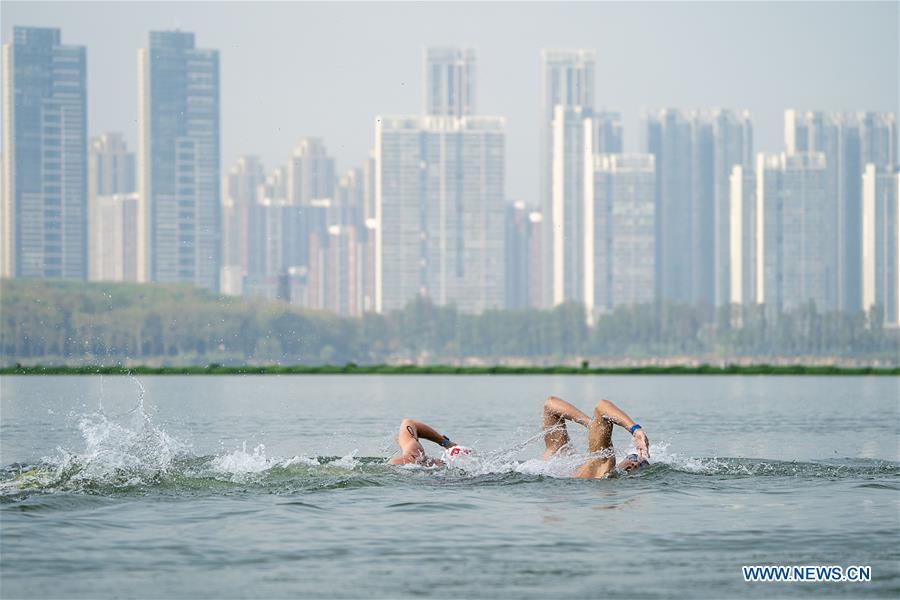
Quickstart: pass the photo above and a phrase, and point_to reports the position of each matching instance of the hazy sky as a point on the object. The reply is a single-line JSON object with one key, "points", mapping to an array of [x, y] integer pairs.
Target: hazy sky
{"points": [[326, 69]]}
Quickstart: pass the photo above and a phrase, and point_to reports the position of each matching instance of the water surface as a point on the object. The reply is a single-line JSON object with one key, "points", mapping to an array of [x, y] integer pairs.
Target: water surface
{"points": [[275, 486]]}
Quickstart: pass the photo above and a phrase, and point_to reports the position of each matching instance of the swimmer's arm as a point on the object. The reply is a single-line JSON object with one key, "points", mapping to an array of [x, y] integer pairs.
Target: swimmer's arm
{"points": [[430, 433], [610, 412]]}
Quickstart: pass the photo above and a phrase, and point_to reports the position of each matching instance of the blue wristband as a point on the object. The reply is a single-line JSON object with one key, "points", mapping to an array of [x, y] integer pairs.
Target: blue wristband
{"points": [[446, 442], [634, 428]]}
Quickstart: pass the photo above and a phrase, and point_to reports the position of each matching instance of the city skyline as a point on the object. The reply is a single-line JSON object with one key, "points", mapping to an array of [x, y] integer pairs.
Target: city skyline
{"points": [[847, 65], [435, 184]]}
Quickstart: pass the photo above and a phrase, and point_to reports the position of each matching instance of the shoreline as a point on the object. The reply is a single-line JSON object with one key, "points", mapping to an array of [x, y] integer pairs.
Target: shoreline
{"points": [[353, 369]]}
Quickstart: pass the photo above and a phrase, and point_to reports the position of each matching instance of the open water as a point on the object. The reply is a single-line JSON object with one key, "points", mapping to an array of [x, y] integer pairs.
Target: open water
{"points": [[276, 487]]}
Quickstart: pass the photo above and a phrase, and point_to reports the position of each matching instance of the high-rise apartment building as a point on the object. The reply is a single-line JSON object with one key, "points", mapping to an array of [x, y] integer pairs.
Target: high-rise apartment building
{"points": [[335, 270], [571, 219], [179, 214], [849, 142], [791, 237], [881, 241], [349, 199], [878, 139], [112, 210], [44, 208], [523, 256], [369, 178], [440, 209], [450, 78], [239, 193], [567, 80], [619, 268], [695, 151], [111, 167], [311, 174], [113, 234], [608, 132], [668, 136], [742, 236], [732, 145]]}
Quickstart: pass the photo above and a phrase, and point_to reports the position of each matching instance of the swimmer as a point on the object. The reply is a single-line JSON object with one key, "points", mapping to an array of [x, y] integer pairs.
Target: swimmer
{"points": [[411, 450], [606, 414], [556, 437]]}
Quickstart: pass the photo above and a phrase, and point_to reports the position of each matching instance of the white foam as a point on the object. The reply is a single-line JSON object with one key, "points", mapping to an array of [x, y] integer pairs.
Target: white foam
{"points": [[241, 462], [347, 462]]}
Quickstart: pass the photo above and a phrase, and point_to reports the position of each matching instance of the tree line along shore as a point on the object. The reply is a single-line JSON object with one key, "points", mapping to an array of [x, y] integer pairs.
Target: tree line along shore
{"points": [[65, 324], [353, 369]]}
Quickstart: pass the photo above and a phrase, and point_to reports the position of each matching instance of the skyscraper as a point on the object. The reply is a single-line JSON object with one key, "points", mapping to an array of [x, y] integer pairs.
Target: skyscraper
{"points": [[878, 139], [110, 166], [349, 200], [112, 210], [571, 215], [791, 237], [668, 136], [310, 172], [621, 269], [849, 141], [881, 241], [523, 237], [742, 236], [440, 208], [607, 132], [369, 185], [695, 151], [239, 190], [43, 214], [179, 214], [567, 79], [450, 79], [732, 145], [113, 233]]}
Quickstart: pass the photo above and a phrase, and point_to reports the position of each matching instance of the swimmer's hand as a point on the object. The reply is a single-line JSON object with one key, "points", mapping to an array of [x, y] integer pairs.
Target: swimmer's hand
{"points": [[642, 444]]}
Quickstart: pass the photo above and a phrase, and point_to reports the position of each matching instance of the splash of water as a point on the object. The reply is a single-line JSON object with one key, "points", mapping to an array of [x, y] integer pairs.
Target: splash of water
{"points": [[130, 451]]}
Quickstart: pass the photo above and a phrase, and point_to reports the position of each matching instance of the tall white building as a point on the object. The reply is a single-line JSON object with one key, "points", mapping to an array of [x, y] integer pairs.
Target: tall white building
{"points": [[791, 236], [113, 229], [311, 172], [570, 215], [439, 209], [179, 217], [621, 269], [567, 79], [450, 78], [742, 236], [881, 241]]}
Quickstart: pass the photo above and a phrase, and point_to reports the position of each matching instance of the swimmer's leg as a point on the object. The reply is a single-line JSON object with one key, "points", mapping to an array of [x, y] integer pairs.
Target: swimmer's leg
{"points": [[553, 422], [599, 441], [600, 430]]}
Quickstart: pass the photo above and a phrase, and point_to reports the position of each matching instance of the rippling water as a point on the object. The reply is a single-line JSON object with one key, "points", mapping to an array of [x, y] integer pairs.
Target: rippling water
{"points": [[277, 487]]}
